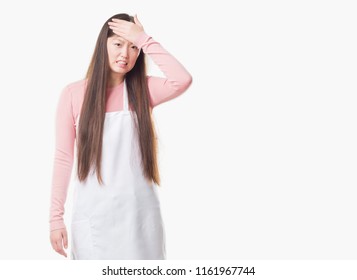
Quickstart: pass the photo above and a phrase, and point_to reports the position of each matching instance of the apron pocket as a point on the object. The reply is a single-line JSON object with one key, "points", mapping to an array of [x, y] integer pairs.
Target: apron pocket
{"points": [[82, 241]]}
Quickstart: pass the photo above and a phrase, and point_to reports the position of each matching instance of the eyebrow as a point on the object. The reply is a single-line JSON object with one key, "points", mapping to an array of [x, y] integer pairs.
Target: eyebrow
{"points": [[118, 38], [121, 40]]}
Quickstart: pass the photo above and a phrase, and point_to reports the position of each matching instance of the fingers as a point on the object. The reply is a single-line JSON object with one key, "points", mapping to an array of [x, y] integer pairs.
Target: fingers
{"points": [[123, 22], [58, 238], [136, 20], [65, 240], [126, 29], [57, 246], [119, 27], [59, 249], [120, 23], [127, 23]]}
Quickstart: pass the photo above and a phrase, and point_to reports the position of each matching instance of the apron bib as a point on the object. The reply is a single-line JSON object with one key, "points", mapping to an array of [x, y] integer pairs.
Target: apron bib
{"points": [[120, 219]]}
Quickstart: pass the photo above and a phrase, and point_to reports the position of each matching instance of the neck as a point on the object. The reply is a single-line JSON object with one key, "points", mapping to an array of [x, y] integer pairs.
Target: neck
{"points": [[115, 80]]}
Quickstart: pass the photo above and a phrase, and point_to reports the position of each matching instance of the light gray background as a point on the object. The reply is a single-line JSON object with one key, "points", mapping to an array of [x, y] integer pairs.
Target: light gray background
{"points": [[258, 158]]}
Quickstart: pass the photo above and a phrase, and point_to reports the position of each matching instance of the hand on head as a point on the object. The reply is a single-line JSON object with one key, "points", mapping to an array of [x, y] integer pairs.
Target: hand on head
{"points": [[126, 29]]}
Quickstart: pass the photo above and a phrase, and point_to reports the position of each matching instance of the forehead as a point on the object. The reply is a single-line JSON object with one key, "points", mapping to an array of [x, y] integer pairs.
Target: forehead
{"points": [[118, 38]]}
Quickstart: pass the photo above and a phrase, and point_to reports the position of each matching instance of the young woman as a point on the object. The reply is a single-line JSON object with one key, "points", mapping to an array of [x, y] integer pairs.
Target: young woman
{"points": [[116, 209]]}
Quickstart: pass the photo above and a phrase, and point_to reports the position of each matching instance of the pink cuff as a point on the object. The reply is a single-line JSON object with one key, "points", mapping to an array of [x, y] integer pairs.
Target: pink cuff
{"points": [[57, 225]]}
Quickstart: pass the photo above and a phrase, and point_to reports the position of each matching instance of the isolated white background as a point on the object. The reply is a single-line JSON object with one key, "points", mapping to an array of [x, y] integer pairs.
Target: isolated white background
{"points": [[258, 158]]}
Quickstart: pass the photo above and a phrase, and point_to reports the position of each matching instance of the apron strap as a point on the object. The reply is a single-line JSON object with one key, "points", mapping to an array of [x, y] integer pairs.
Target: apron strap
{"points": [[125, 98]]}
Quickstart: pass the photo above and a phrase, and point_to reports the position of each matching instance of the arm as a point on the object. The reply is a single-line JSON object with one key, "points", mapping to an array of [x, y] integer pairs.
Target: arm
{"points": [[177, 77], [62, 168], [177, 80], [63, 159]]}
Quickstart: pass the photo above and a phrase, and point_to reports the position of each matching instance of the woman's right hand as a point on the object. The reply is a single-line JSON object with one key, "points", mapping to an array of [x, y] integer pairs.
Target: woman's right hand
{"points": [[59, 239]]}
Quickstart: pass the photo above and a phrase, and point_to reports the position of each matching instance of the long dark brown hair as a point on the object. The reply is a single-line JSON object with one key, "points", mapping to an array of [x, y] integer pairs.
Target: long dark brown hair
{"points": [[92, 115]]}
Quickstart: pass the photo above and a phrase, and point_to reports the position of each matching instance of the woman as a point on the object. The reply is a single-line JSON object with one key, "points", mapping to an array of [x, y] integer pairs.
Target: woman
{"points": [[116, 210]]}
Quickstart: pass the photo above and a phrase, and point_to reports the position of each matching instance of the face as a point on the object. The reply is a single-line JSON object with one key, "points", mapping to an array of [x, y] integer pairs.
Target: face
{"points": [[122, 54]]}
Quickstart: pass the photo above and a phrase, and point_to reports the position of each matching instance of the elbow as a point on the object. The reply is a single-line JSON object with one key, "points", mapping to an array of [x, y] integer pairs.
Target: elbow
{"points": [[185, 83], [180, 85], [188, 81]]}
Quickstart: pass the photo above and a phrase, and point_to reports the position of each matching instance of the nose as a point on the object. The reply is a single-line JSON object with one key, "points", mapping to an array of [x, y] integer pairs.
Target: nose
{"points": [[124, 52]]}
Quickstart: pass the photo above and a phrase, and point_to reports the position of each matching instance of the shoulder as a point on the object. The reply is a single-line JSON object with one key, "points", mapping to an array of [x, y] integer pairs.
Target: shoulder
{"points": [[77, 87], [74, 92]]}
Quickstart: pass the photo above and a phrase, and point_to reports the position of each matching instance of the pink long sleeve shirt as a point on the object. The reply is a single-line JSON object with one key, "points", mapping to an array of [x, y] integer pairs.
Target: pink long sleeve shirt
{"points": [[177, 80]]}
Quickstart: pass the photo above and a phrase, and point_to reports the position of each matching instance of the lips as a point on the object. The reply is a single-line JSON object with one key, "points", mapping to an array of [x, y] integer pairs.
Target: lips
{"points": [[121, 62]]}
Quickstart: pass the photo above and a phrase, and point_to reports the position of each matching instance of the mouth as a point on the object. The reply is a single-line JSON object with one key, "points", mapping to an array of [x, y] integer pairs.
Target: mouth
{"points": [[121, 63]]}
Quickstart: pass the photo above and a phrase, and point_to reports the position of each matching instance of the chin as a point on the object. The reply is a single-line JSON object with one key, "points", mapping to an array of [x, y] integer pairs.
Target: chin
{"points": [[120, 71]]}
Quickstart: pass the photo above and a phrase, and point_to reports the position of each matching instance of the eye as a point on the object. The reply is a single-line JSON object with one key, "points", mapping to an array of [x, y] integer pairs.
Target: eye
{"points": [[117, 44], [134, 47]]}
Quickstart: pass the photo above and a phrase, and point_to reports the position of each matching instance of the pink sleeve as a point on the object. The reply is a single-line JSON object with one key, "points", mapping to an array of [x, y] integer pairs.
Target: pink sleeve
{"points": [[177, 80], [63, 159]]}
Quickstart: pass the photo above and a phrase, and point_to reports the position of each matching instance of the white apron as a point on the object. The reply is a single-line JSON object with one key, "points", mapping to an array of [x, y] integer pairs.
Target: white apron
{"points": [[120, 219]]}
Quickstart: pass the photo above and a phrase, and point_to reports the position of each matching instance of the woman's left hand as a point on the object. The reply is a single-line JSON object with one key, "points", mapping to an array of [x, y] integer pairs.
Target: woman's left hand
{"points": [[126, 29]]}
